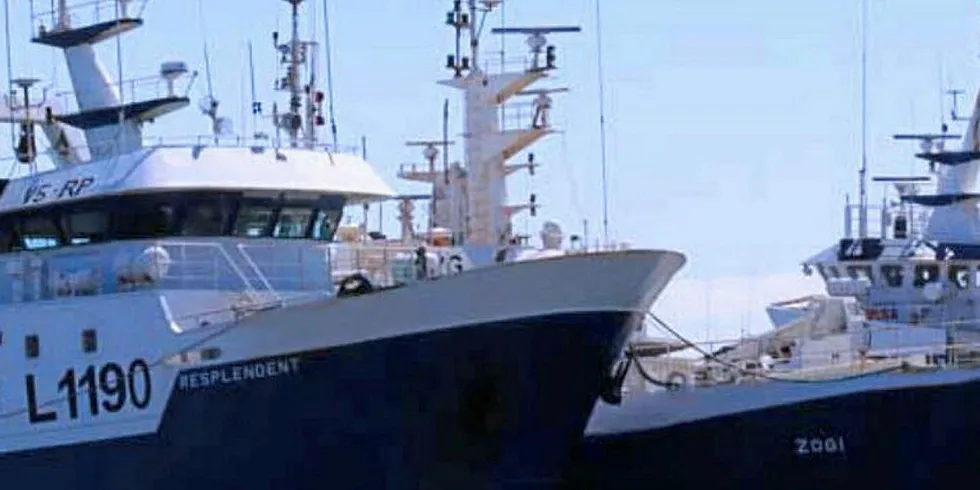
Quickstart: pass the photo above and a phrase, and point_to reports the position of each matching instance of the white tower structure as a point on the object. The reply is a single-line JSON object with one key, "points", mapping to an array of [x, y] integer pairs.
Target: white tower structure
{"points": [[471, 199]]}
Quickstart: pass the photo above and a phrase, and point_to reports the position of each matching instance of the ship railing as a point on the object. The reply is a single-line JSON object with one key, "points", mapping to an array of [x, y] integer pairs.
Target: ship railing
{"points": [[236, 141], [924, 314], [206, 265], [137, 89], [277, 266], [130, 266], [738, 360], [407, 169], [880, 220], [84, 13], [201, 140], [518, 115], [493, 63], [15, 101], [386, 264]]}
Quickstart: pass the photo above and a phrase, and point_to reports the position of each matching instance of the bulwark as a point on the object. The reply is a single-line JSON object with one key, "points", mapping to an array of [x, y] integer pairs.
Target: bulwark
{"points": [[233, 374]]}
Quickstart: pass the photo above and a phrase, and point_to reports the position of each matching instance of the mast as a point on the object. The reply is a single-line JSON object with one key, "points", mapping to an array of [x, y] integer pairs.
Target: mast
{"points": [[104, 125], [487, 218], [863, 173], [304, 109]]}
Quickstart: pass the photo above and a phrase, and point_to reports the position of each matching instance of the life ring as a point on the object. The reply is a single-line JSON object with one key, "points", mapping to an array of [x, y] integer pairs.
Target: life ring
{"points": [[676, 379], [455, 264], [354, 285], [725, 375]]}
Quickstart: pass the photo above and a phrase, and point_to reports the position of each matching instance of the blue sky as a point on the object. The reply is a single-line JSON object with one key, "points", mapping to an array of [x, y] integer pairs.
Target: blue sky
{"points": [[733, 127]]}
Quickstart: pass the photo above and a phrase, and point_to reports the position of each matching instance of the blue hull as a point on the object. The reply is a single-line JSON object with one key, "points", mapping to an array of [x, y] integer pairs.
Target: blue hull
{"points": [[488, 406], [911, 438]]}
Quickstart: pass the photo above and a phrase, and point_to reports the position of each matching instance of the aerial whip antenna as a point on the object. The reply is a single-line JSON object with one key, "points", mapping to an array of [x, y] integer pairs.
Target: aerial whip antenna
{"points": [[445, 141], [10, 68], [602, 122], [209, 104], [863, 174], [326, 28], [256, 105]]}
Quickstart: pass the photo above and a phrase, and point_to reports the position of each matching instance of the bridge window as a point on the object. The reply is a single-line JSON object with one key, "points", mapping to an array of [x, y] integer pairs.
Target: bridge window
{"points": [[86, 227], [893, 274], [822, 271], [158, 215], [8, 239], [32, 346], [39, 232], [860, 272], [89, 340], [325, 224], [140, 219], [293, 222], [959, 275], [204, 218], [925, 274], [253, 220]]}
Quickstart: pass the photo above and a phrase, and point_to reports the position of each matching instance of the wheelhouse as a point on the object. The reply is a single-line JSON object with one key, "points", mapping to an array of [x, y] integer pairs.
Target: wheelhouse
{"points": [[187, 214]]}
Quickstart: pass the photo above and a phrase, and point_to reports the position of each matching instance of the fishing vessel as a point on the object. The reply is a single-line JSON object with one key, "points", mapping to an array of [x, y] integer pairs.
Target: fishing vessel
{"points": [[873, 383], [178, 315]]}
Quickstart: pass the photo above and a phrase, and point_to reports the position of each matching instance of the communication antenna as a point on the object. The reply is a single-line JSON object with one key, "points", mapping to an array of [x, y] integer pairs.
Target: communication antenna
{"points": [[460, 20], [9, 59], [209, 104], [328, 49], [256, 104], [291, 121], [430, 153], [304, 113], [953, 113], [602, 121], [543, 91], [445, 141], [863, 174]]}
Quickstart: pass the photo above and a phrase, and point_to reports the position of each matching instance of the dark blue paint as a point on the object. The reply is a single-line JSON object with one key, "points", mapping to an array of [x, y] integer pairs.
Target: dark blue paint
{"points": [[910, 438], [105, 116], [951, 158], [938, 200], [396, 413], [91, 34]]}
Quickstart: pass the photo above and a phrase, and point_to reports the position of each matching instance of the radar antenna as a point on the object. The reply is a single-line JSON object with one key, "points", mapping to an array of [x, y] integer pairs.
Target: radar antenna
{"points": [[932, 145], [209, 104], [537, 42]]}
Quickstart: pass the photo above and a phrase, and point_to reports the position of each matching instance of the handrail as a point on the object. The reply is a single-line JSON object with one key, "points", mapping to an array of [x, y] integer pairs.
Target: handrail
{"points": [[249, 288], [200, 140], [255, 268], [941, 351], [100, 6]]}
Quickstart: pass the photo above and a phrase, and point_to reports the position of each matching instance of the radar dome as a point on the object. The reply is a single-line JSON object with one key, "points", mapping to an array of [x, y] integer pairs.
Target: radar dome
{"points": [[171, 70], [551, 235]]}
